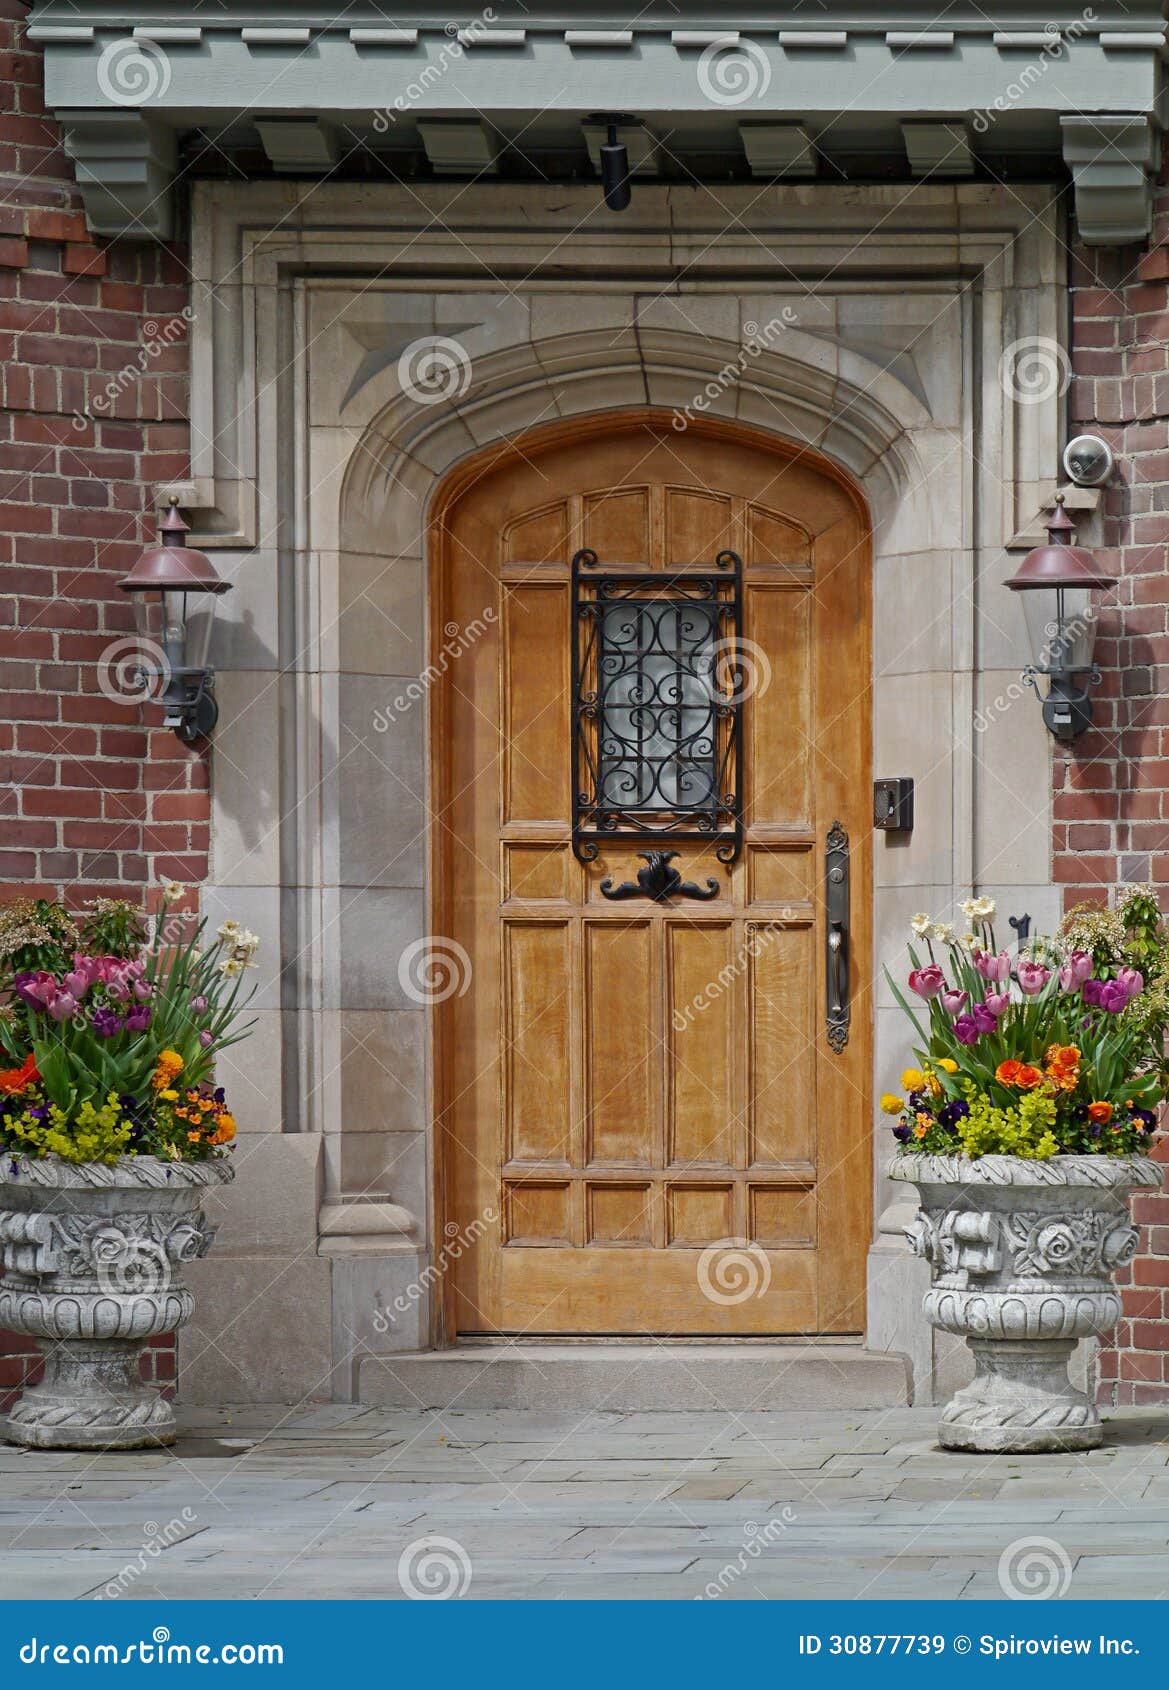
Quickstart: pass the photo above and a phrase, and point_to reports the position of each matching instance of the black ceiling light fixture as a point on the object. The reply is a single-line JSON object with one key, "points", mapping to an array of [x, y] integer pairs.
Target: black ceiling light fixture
{"points": [[614, 161]]}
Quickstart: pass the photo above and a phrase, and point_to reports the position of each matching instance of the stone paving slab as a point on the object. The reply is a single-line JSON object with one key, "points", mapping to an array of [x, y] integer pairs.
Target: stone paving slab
{"points": [[326, 1500]]}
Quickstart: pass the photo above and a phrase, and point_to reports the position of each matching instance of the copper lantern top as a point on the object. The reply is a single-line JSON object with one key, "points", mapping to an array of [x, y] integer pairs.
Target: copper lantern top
{"points": [[1057, 564], [173, 567]]}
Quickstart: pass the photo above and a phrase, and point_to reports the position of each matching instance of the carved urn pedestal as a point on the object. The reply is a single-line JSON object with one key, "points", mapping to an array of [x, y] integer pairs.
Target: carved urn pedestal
{"points": [[93, 1269], [1023, 1255]]}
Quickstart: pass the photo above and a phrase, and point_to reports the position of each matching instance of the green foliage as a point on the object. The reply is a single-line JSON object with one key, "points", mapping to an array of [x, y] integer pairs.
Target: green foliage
{"points": [[112, 927], [87, 1134], [1023, 1128]]}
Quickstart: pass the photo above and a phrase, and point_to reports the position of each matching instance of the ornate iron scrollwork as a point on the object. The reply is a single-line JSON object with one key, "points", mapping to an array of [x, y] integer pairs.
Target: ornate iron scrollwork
{"points": [[657, 683], [658, 881], [836, 901]]}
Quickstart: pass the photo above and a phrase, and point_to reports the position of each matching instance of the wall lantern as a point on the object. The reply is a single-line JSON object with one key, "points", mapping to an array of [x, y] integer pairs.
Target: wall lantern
{"points": [[174, 591], [1058, 580]]}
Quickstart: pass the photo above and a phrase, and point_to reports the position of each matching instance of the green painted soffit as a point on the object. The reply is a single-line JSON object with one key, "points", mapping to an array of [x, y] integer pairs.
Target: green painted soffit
{"points": [[783, 92]]}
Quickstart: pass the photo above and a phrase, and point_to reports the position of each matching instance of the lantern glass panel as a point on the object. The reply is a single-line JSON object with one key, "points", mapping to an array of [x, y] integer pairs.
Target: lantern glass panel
{"points": [[1061, 628]]}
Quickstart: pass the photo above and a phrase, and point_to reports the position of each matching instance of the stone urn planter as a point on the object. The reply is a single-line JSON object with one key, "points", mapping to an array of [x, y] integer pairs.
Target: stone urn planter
{"points": [[1023, 1255], [92, 1269]]}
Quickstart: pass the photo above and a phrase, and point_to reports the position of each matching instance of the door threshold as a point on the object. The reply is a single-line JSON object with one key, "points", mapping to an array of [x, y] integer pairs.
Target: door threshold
{"points": [[631, 1375], [494, 1340]]}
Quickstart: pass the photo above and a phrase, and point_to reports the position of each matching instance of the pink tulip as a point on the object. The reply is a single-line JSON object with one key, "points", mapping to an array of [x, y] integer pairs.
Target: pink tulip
{"points": [[205, 1039], [997, 1002], [952, 1002], [76, 983], [1132, 980], [199, 1004], [927, 982], [995, 968], [143, 990], [1080, 965], [1032, 976], [63, 1007]]}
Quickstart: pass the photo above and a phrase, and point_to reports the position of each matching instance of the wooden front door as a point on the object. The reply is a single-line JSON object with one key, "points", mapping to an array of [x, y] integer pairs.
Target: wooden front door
{"points": [[645, 1128]]}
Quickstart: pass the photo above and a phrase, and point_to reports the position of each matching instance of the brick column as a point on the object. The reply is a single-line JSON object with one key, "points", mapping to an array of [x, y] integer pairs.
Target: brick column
{"points": [[93, 406], [1111, 808]]}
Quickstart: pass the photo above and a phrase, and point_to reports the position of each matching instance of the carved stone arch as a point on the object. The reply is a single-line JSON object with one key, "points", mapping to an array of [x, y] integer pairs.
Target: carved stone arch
{"points": [[843, 407]]}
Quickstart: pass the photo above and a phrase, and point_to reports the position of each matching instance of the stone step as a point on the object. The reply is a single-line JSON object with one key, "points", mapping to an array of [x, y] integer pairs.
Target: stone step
{"points": [[637, 1376]]}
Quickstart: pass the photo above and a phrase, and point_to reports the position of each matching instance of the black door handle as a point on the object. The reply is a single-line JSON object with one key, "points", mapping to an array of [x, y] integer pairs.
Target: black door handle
{"points": [[836, 912]]}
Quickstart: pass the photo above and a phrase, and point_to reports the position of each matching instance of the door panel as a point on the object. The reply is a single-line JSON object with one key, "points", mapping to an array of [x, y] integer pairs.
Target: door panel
{"points": [[628, 1083]]}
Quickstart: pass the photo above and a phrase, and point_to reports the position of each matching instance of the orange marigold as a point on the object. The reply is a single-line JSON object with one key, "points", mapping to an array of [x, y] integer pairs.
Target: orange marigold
{"points": [[1101, 1113], [1029, 1077], [1007, 1073], [16, 1080]]}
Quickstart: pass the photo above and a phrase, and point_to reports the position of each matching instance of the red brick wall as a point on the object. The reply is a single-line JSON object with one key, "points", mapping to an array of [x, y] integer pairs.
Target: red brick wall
{"points": [[1112, 786], [90, 791]]}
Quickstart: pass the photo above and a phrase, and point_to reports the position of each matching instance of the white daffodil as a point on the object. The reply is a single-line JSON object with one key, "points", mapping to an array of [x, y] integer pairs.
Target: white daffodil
{"points": [[920, 924], [984, 909], [172, 891], [230, 967], [942, 932], [969, 941], [967, 906], [228, 933]]}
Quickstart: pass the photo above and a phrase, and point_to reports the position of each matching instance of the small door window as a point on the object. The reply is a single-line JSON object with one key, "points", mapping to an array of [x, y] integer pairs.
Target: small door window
{"points": [[656, 704]]}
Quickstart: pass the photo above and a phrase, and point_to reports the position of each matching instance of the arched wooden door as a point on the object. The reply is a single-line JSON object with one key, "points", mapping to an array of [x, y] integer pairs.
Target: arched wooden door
{"points": [[626, 1083]]}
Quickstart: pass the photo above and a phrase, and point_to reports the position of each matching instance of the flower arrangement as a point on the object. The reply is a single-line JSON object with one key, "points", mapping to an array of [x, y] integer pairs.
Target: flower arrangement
{"points": [[1058, 1052], [112, 1031]]}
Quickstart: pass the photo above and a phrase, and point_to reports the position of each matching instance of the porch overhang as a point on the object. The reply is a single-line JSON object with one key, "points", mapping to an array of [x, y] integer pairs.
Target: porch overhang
{"points": [[148, 92]]}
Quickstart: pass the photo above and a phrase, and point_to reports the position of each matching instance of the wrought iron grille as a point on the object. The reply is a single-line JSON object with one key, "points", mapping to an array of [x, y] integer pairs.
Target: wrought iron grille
{"points": [[656, 689]]}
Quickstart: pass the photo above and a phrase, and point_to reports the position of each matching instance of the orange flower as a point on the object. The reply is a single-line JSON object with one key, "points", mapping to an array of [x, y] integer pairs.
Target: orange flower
{"points": [[1029, 1077], [1007, 1073], [14, 1080], [1062, 1056], [225, 1131], [1101, 1113], [920, 1130]]}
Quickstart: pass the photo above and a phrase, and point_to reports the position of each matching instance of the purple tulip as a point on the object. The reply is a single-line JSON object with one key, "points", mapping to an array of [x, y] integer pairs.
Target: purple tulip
{"points": [[966, 1030], [37, 990], [199, 1004], [982, 1018], [106, 1023], [1091, 992], [997, 1002], [1113, 997], [138, 1019], [206, 1039]]}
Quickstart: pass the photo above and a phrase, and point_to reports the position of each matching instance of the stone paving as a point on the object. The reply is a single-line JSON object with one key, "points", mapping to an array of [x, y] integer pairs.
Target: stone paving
{"points": [[340, 1501]]}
